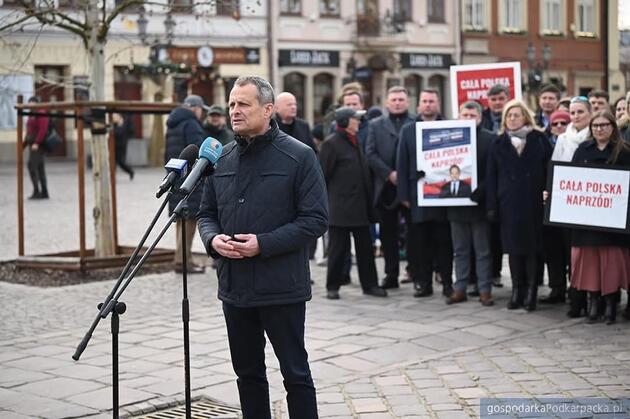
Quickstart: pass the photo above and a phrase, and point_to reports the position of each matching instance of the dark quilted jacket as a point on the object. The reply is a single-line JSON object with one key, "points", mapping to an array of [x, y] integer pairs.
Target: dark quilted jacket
{"points": [[183, 128], [273, 188]]}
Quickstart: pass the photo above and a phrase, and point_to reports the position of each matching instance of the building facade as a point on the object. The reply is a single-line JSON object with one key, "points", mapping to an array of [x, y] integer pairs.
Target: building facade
{"points": [[322, 44], [571, 43], [160, 52]]}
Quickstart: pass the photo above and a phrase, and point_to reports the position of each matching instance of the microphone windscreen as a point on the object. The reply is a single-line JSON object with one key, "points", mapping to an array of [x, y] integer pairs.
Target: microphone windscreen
{"points": [[211, 150], [189, 153]]}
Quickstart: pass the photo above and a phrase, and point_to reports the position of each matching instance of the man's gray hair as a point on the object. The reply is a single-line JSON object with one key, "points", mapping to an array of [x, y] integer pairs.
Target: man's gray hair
{"points": [[263, 87], [471, 104]]}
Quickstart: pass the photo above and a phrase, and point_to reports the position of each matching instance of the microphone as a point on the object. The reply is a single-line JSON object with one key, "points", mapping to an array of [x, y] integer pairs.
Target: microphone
{"points": [[178, 168], [209, 153]]}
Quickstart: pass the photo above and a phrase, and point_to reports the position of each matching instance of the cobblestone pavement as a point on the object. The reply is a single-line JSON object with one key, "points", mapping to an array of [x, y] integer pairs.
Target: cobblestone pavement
{"points": [[398, 357]]}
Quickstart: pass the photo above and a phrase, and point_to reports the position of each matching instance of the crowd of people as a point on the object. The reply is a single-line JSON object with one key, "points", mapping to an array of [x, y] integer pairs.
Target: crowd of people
{"points": [[371, 173]]}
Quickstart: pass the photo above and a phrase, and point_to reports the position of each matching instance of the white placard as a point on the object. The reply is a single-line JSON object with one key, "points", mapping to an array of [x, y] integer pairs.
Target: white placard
{"points": [[440, 147], [589, 196]]}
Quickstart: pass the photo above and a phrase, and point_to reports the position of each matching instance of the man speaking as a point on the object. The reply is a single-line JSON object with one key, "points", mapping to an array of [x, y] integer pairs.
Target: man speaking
{"points": [[262, 207]]}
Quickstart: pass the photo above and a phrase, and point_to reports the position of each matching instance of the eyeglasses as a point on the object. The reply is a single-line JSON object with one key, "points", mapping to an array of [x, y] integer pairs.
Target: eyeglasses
{"points": [[601, 126], [579, 99], [560, 124]]}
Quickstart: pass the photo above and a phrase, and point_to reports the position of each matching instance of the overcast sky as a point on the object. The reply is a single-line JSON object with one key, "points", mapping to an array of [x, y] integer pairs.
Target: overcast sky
{"points": [[624, 14]]}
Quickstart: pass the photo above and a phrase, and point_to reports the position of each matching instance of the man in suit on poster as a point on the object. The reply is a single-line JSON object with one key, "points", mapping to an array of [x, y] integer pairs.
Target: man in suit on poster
{"points": [[455, 188]]}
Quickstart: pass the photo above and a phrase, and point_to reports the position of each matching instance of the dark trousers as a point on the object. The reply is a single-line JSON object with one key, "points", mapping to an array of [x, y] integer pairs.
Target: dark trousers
{"points": [[557, 256], [429, 243], [389, 231], [37, 170], [121, 158], [526, 270], [284, 325], [340, 248], [496, 249]]}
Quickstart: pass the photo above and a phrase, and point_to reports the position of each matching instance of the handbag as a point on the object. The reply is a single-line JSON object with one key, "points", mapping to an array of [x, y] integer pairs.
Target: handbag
{"points": [[52, 140]]}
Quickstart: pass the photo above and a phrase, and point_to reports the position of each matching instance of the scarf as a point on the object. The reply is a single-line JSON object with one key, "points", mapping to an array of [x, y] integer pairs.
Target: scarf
{"points": [[518, 137], [568, 142], [352, 138]]}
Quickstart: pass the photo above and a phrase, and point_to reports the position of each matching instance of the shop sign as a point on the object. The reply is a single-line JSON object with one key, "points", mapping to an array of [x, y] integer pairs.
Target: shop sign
{"points": [[308, 58], [413, 60]]}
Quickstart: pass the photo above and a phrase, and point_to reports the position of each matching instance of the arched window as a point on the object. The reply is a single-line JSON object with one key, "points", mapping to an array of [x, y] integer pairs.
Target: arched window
{"points": [[322, 95], [437, 82], [295, 84], [413, 84]]}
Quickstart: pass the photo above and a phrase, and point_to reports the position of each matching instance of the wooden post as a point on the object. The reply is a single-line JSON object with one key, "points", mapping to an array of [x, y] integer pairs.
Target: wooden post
{"points": [[20, 177], [78, 112], [112, 179]]}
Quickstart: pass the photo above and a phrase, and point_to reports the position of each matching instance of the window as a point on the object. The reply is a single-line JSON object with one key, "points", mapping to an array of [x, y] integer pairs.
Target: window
{"points": [[295, 83], [367, 18], [228, 7], [551, 17], [474, 15], [402, 11], [513, 16], [291, 7], [585, 18], [181, 6], [435, 11], [329, 8], [322, 95], [413, 84]]}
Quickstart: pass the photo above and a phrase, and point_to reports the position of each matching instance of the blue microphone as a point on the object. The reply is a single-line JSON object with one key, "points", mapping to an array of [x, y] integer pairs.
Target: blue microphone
{"points": [[209, 153], [178, 168]]}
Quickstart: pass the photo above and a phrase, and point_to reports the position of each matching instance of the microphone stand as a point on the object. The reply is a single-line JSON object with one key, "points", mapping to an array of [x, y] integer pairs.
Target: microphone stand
{"points": [[112, 304], [186, 317]]}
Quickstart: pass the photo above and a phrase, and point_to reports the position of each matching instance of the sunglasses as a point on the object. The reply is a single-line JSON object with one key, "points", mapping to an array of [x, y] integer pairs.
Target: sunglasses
{"points": [[579, 99], [560, 124]]}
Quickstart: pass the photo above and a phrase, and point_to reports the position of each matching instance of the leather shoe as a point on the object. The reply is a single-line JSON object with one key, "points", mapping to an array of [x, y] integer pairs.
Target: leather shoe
{"points": [[496, 282], [423, 292], [456, 297], [474, 292], [447, 290], [486, 299], [192, 269], [332, 294], [345, 280], [554, 297], [375, 292], [389, 283]]}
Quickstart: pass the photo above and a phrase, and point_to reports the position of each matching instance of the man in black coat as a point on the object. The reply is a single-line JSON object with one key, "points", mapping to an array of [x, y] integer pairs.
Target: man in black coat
{"points": [[498, 95], [184, 128], [262, 207], [349, 194], [428, 231], [470, 230], [383, 136], [288, 122]]}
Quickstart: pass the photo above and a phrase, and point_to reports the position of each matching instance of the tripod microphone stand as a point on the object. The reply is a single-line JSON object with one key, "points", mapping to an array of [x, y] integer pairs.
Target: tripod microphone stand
{"points": [[112, 304]]}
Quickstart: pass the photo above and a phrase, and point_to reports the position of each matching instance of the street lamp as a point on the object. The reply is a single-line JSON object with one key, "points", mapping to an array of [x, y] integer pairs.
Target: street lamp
{"points": [[142, 22], [169, 24], [535, 72]]}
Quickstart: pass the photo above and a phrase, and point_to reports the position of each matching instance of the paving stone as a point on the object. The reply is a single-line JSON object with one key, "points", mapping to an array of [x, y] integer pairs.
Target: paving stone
{"points": [[58, 388], [368, 405], [329, 410], [470, 393], [102, 399]]}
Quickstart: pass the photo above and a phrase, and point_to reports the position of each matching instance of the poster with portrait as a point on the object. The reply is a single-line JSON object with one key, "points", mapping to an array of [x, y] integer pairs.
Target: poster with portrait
{"points": [[588, 197], [472, 82], [446, 155]]}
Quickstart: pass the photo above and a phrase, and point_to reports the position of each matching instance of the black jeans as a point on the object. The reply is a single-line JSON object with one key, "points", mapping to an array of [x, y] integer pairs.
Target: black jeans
{"points": [[37, 170], [121, 158], [427, 243], [389, 232], [340, 248], [284, 325], [557, 255]]}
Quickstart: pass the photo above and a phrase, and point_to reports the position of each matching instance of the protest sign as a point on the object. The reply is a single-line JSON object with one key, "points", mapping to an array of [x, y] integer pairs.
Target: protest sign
{"points": [[472, 82], [446, 153], [588, 197]]}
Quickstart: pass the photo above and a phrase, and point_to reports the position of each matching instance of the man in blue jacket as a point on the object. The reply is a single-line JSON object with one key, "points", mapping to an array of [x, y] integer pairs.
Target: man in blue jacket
{"points": [[260, 210]]}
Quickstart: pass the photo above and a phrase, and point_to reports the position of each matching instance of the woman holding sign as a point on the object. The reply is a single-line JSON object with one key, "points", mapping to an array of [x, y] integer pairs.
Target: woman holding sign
{"points": [[515, 180], [600, 261]]}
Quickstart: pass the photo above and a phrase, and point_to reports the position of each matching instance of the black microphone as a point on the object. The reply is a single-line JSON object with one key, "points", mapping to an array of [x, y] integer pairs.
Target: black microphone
{"points": [[178, 168], [209, 153]]}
